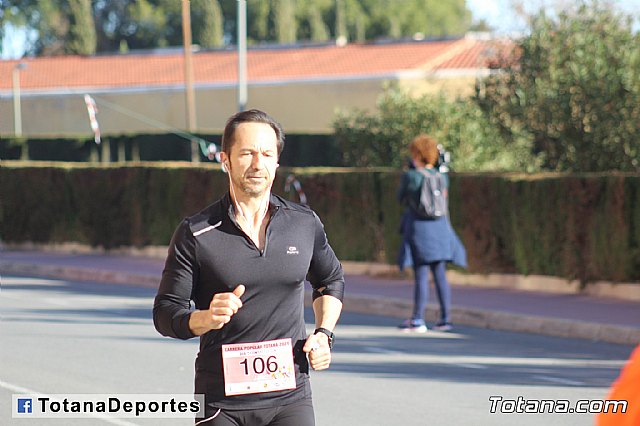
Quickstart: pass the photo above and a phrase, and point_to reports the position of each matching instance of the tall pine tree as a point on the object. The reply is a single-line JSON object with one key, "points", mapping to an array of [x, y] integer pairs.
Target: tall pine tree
{"points": [[82, 31], [208, 22], [285, 21]]}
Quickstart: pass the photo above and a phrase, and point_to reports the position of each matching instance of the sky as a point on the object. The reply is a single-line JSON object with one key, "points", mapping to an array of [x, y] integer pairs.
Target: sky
{"points": [[498, 14]]}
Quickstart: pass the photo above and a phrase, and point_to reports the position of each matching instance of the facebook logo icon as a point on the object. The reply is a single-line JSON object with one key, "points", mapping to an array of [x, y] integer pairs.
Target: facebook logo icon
{"points": [[24, 405]]}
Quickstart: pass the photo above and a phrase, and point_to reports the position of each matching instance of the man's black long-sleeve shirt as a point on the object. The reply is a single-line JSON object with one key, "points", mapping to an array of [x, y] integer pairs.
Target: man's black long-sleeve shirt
{"points": [[210, 254]]}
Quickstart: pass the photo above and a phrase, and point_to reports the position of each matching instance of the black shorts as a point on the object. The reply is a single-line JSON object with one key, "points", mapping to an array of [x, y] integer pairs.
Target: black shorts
{"points": [[299, 413]]}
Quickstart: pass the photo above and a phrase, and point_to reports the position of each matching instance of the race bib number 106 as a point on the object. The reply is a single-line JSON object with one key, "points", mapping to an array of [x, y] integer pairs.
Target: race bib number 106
{"points": [[258, 367]]}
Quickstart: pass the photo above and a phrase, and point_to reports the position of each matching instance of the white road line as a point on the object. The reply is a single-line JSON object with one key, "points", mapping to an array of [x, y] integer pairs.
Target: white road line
{"points": [[559, 380], [376, 350], [473, 366], [489, 361], [14, 388], [25, 391]]}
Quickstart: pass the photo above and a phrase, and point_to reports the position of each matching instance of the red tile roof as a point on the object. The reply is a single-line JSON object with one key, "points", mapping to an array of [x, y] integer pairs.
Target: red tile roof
{"points": [[479, 54], [263, 64]]}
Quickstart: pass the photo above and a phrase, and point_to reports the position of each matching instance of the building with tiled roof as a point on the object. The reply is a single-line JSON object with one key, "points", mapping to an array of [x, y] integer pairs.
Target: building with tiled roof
{"points": [[301, 86]]}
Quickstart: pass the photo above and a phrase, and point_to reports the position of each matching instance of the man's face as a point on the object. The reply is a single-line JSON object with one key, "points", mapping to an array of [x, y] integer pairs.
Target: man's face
{"points": [[253, 159]]}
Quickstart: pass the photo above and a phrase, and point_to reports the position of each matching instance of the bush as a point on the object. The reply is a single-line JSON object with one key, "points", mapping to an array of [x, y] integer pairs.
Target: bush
{"points": [[584, 227], [381, 138], [573, 85]]}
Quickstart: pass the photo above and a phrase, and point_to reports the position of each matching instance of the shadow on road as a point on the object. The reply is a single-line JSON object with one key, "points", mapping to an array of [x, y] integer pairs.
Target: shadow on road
{"points": [[366, 345], [370, 345]]}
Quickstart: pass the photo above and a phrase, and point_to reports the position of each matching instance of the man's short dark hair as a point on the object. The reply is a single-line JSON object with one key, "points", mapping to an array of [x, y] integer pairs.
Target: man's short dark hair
{"points": [[250, 116]]}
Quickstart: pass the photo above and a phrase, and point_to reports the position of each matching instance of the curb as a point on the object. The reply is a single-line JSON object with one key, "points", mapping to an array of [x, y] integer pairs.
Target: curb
{"points": [[496, 320], [78, 274], [548, 284], [503, 321]]}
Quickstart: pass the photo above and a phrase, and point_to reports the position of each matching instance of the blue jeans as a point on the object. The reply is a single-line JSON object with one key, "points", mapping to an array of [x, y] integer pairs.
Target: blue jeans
{"points": [[421, 290]]}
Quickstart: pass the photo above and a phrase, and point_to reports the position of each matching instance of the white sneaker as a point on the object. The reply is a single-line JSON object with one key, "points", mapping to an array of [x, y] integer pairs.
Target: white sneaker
{"points": [[410, 326]]}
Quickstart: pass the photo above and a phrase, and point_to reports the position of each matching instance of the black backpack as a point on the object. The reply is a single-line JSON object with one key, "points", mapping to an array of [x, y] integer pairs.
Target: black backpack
{"points": [[433, 203]]}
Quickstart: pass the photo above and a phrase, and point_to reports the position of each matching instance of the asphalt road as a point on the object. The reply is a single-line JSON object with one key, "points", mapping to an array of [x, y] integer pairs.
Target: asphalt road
{"points": [[60, 337]]}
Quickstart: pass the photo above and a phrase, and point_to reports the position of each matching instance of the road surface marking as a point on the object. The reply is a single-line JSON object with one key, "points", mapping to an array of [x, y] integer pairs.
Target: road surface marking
{"points": [[559, 380]]}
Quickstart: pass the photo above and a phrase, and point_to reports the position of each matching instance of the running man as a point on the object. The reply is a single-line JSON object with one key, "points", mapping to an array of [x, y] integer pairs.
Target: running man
{"points": [[243, 261]]}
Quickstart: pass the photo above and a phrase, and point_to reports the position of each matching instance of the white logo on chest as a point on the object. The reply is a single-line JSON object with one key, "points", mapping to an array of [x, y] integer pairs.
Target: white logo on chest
{"points": [[292, 250]]}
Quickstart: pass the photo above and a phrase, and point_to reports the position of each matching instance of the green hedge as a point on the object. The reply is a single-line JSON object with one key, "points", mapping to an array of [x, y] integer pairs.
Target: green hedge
{"points": [[584, 227]]}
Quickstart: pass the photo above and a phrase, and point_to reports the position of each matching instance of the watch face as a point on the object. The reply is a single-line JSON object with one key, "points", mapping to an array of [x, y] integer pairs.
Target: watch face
{"points": [[328, 333]]}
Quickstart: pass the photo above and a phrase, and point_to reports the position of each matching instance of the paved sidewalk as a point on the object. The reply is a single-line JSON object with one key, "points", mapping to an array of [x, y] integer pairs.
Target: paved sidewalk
{"points": [[564, 315]]}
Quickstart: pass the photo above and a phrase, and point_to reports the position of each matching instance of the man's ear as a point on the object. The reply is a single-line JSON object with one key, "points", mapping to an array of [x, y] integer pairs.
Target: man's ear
{"points": [[224, 162]]}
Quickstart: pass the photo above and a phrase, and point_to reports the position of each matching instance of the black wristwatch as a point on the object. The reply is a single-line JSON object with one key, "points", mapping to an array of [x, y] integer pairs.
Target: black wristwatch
{"points": [[329, 334]]}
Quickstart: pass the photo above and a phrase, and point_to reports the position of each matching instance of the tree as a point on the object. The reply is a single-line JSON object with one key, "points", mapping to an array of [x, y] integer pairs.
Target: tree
{"points": [[208, 23], [146, 24], [285, 22], [311, 24], [53, 27], [143, 24], [63, 26], [573, 85], [431, 18], [381, 138], [258, 14], [82, 30]]}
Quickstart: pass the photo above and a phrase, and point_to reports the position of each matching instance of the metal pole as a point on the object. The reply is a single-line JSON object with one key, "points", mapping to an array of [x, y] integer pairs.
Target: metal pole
{"points": [[17, 107], [242, 55], [188, 77], [188, 66]]}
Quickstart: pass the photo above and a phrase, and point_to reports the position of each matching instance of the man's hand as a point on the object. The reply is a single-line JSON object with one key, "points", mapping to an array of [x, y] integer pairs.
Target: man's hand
{"points": [[317, 346], [222, 307]]}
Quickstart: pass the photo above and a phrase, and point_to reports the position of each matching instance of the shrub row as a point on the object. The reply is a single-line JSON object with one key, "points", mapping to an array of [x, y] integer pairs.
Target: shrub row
{"points": [[584, 227]]}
